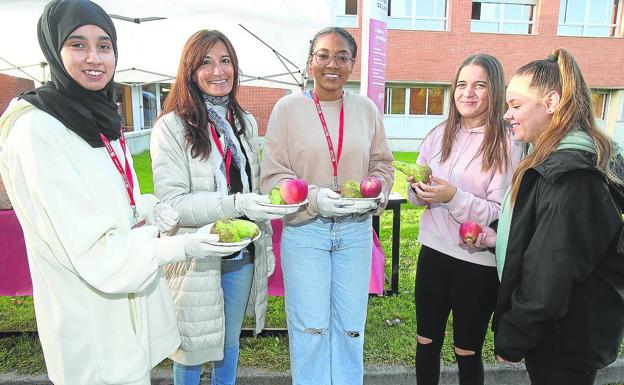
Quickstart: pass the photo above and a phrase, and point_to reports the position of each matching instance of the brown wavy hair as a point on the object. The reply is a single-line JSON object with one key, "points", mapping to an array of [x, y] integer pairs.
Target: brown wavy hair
{"points": [[494, 148], [186, 99], [561, 73]]}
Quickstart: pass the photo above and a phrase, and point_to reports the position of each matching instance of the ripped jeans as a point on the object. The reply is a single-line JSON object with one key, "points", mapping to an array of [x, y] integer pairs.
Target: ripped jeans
{"points": [[326, 266]]}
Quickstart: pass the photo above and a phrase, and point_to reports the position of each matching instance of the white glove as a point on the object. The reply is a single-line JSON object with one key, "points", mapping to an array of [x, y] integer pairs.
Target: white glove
{"points": [[382, 198], [373, 204], [330, 205], [247, 205], [165, 217], [196, 246], [157, 213]]}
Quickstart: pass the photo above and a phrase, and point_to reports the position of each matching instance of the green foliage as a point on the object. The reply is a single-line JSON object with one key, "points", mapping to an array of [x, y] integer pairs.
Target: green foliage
{"points": [[387, 342], [143, 169]]}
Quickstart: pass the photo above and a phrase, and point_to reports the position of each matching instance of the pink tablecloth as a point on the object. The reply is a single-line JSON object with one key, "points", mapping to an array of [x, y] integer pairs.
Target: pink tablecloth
{"points": [[14, 273], [276, 281]]}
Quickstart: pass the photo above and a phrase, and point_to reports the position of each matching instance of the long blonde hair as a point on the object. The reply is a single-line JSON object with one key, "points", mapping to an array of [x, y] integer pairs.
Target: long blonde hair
{"points": [[560, 73]]}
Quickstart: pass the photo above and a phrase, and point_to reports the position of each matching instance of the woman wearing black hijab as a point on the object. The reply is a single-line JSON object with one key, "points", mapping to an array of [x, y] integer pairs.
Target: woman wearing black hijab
{"points": [[104, 312]]}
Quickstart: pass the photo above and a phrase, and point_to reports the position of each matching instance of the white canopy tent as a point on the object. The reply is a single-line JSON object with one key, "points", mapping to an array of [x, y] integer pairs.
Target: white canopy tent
{"points": [[271, 37]]}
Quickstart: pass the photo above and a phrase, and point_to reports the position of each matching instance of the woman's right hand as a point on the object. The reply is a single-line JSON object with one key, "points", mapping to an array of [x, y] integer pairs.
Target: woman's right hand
{"points": [[330, 205], [198, 245], [249, 206]]}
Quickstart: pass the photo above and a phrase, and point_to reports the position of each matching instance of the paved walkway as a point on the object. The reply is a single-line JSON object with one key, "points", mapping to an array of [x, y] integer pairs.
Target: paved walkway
{"points": [[375, 375]]}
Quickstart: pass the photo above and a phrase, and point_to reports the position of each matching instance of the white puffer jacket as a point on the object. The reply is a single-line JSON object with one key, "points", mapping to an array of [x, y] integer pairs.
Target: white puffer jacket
{"points": [[188, 185]]}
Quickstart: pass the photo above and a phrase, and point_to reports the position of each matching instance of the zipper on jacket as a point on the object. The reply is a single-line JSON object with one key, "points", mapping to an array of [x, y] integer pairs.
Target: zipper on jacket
{"points": [[132, 312]]}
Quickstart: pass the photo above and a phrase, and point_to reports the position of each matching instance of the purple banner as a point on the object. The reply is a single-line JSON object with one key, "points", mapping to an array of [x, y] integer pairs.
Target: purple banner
{"points": [[377, 62]]}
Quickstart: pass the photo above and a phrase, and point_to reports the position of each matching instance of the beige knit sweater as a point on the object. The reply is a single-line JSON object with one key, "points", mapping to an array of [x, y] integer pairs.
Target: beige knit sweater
{"points": [[295, 146]]}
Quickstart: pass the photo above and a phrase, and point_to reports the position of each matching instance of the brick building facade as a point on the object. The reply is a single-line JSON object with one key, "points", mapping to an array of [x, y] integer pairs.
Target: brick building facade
{"points": [[427, 40], [10, 87]]}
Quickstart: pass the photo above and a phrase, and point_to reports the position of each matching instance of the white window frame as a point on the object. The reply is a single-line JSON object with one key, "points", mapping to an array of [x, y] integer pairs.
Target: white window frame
{"points": [[501, 22], [586, 24], [408, 94], [393, 24], [605, 103], [389, 96], [342, 19]]}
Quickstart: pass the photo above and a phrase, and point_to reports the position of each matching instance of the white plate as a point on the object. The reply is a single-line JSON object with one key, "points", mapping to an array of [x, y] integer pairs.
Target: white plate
{"points": [[361, 203], [291, 208], [239, 245]]}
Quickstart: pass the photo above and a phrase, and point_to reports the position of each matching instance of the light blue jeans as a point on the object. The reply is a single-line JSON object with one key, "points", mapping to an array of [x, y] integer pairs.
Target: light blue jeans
{"points": [[236, 277], [326, 266]]}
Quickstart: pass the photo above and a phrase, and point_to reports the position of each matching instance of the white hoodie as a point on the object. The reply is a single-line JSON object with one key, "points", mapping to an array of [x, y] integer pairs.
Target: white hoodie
{"points": [[104, 312]]}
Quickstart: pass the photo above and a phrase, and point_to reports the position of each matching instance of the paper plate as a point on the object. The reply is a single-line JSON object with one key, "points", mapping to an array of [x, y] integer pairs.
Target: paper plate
{"points": [[361, 202], [291, 208], [243, 242]]}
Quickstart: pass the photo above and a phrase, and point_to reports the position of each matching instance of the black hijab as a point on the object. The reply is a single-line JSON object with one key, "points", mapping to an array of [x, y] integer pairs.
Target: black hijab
{"points": [[85, 112]]}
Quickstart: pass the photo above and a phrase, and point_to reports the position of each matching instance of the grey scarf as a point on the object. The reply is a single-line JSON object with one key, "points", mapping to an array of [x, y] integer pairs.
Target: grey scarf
{"points": [[217, 113]]}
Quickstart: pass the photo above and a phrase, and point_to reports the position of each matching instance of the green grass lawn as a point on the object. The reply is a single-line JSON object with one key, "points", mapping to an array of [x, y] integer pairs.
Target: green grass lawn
{"points": [[384, 344]]}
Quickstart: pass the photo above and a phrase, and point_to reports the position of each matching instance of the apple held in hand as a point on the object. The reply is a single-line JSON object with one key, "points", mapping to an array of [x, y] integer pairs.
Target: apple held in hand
{"points": [[469, 231], [370, 187], [294, 191]]}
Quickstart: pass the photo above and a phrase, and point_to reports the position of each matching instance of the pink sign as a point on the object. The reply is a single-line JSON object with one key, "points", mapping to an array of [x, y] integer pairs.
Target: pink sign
{"points": [[377, 62]]}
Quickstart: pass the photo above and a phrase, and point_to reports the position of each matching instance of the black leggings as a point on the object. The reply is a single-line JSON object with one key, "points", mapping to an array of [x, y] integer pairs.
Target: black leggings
{"points": [[444, 283], [548, 375]]}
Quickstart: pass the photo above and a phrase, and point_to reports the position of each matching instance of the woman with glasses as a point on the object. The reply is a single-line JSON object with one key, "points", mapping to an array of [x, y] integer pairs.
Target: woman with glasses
{"points": [[327, 136], [472, 159], [205, 159]]}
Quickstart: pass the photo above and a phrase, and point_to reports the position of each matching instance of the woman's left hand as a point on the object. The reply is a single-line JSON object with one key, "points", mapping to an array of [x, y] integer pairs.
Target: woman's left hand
{"points": [[166, 218], [442, 191], [486, 239]]}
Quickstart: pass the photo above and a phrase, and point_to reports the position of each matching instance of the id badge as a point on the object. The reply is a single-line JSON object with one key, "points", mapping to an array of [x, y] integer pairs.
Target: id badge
{"points": [[139, 224]]}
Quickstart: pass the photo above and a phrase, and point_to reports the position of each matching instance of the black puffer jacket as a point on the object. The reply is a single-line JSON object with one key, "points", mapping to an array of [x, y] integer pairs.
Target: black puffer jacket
{"points": [[561, 299]]}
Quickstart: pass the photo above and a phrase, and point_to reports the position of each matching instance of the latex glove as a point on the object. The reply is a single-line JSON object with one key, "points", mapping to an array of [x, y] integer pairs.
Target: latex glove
{"points": [[196, 246], [157, 213], [486, 239], [165, 217], [330, 205], [373, 204], [247, 205], [382, 198]]}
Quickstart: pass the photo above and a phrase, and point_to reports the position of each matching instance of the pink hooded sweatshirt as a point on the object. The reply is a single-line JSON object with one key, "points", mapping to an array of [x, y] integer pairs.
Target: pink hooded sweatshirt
{"points": [[478, 197]]}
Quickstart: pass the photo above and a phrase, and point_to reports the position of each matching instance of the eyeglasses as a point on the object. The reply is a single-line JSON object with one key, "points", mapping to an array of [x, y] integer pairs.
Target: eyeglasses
{"points": [[323, 58]]}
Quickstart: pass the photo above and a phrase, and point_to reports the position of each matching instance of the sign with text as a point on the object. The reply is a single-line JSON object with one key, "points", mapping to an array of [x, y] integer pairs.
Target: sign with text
{"points": [[374, 43]]}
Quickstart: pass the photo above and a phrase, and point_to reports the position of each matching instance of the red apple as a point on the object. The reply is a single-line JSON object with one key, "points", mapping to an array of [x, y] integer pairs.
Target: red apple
{"points": [[294, 191], [370, 187], [469, 231]]}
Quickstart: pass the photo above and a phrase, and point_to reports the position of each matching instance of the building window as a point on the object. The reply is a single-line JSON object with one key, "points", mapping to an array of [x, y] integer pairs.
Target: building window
{"points": [[346, 13], [427, 15], [395, 100], [503, 16], [599, 104], [165, 89], [421, 101], [150, 108], [123, 100], [589, 17], [426, 101], [621, 119]]}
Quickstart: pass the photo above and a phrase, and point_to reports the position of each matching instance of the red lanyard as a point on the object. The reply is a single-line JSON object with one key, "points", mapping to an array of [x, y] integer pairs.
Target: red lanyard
{"points": [[125, 172], [225, 156], [334, 158]]}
